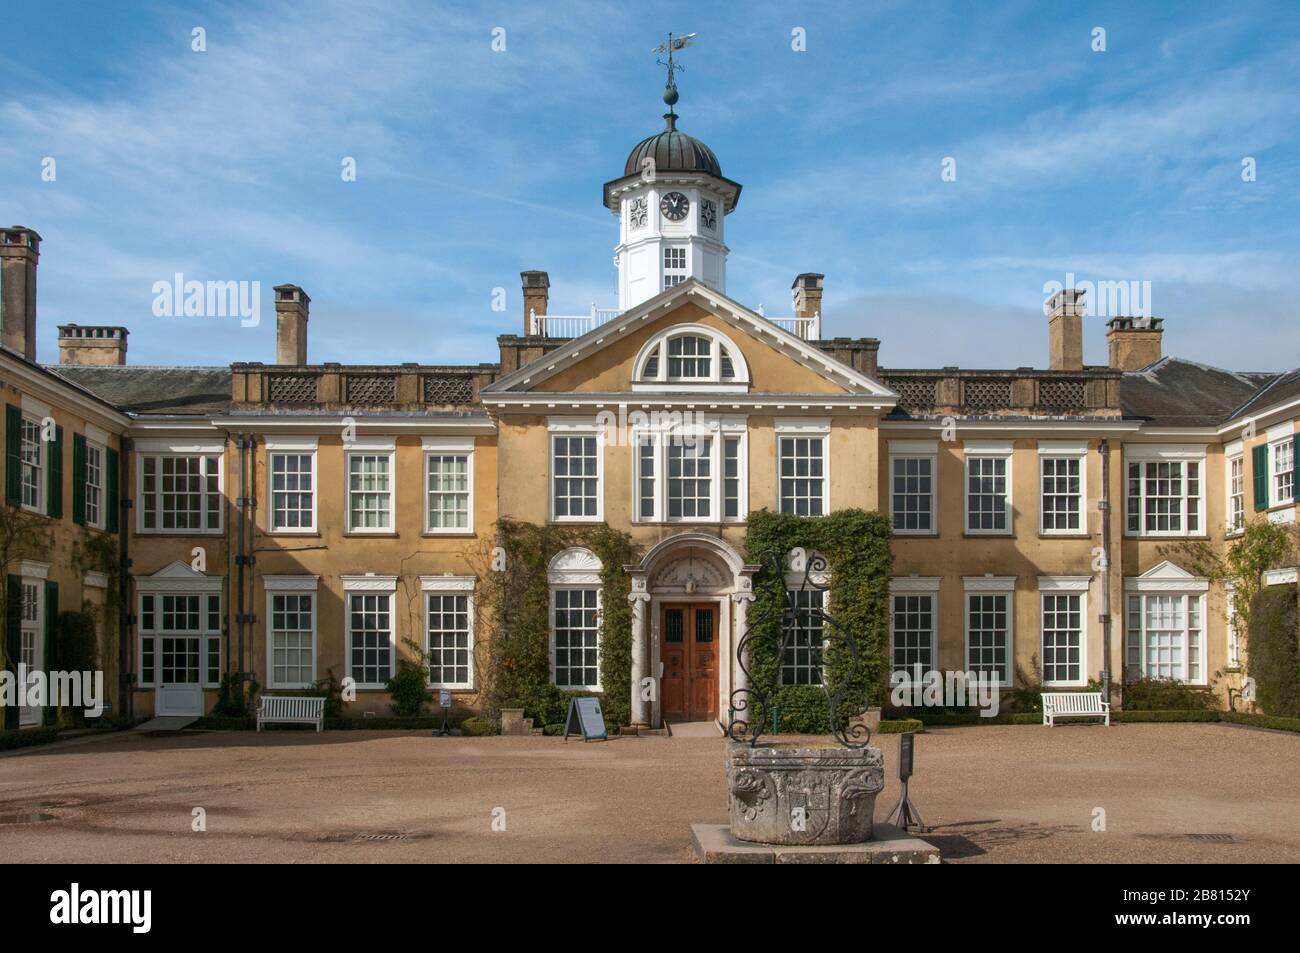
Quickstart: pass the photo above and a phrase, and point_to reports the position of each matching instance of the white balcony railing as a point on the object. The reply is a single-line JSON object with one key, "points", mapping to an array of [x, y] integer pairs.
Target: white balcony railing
{"points": [[576, 325]]}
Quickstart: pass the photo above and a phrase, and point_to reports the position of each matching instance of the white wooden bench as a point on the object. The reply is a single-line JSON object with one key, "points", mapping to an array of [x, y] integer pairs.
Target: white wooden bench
{"points": [[1074, 705], [291, 709]]}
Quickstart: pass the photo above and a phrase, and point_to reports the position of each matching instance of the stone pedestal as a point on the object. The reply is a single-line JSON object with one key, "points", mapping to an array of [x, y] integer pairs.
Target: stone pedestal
{"points": [[805, 795], [714, 845]]}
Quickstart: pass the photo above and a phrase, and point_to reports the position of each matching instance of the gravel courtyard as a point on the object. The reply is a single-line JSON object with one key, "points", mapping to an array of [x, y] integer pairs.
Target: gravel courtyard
{"points": [[1171, 793]]}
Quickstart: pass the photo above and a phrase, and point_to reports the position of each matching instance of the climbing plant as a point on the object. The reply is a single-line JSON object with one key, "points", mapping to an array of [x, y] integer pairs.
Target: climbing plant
{"points": [[856, 544], [514, 661]]}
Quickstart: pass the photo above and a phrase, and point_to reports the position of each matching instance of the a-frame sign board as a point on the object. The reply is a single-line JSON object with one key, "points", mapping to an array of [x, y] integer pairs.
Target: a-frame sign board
{"points": [[585, 719]]}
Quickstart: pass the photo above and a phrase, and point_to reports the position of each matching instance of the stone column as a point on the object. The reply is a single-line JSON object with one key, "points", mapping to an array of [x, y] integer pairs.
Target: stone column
{"points": [[640, 705], [742, 600]]}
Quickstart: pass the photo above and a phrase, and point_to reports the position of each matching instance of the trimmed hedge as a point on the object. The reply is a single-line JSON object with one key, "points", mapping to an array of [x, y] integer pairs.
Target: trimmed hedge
{"points": [[898, 726], [1169, 715], [1165, 694], [1260, 721], [1273, 656], [475, 727], [28, 737]]}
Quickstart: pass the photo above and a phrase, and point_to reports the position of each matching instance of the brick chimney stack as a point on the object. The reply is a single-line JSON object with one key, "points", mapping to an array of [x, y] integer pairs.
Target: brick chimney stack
{"points": [[20, 248], [1134, 343], [807, 294], [101, 344], [1065, 330], [291, 305], [537, 285]]}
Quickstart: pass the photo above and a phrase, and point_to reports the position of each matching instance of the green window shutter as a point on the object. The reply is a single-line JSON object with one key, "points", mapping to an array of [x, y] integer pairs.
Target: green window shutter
{"points": [[79, 479], [55, 494], [13, 453], [1259, 468], [51, 640], [13, 640], [110, 491]]}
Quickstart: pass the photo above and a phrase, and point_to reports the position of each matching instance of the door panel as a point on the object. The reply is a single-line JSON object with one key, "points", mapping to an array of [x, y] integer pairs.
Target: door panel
{"points": [[180, 691], [673, 654], [689, 652]]}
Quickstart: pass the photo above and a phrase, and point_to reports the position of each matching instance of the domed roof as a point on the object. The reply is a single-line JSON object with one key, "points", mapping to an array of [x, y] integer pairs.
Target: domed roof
{"points": [[672, 151]]}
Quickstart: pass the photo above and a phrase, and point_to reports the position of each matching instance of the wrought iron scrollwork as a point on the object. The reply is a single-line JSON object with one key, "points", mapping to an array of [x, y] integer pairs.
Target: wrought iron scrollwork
{"points": [[847, 700]]}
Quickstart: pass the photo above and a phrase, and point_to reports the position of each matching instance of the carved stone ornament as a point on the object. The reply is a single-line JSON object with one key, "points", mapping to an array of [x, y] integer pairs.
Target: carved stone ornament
{"points": [[803, 795]]}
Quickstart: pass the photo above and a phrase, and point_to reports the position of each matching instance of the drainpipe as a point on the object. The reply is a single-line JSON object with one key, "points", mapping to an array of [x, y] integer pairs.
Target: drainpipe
{"points": [[1103, 505], [241, 445], [126, 697]]}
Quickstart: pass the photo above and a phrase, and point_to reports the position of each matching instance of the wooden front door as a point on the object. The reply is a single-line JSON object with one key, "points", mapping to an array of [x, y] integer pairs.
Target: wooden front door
{"points": [[688, 647]]}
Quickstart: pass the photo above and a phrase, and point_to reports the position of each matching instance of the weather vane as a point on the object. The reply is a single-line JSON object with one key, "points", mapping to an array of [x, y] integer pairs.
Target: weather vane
{"points": [[674, 43]]}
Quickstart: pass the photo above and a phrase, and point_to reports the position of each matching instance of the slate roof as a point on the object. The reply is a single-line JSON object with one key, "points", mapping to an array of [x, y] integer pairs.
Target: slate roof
{"points": [[184, 391], [1178, 393]]}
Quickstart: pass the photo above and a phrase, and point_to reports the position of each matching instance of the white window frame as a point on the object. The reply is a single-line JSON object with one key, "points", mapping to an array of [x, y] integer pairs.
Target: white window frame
{"points": [[915, 450], [205, 633], [674, 276], [811, 428], [918, 586], [1234, 457], [984, 450], [1145, 454], [450, 447], [304, 585], [1276, 444], [1189, 596], [159, 450], [575, 427], [997, 586], [717, 430], [297, 447], [575, 569], [37, 468], [450, 586], [657, 347], [1064, 586], [370, 447], [98, 489], [1052, 450], [366, 585], [33, 578]]}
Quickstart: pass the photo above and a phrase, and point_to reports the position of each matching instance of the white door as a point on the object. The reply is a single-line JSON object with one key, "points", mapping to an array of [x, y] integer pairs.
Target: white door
{"points": [[180, 685], [31, 657]]}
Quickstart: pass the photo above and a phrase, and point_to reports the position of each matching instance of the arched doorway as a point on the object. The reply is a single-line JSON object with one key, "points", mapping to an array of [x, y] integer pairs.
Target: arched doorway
{"points": [[690, 598]]}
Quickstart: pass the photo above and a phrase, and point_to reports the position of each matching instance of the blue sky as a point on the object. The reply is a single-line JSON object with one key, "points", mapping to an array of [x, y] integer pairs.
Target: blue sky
{"points": [[473, 165]]}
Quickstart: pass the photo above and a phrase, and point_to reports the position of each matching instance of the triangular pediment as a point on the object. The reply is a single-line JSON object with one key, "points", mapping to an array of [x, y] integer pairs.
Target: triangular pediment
{"points": [[1166, 570], [771, 362]]}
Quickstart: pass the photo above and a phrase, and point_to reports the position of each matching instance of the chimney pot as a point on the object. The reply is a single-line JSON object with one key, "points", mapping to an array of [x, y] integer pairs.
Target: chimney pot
{"points": [[1134, 343], [536, 285], [807, 294], [291, 311], [92, 344], [20, 251], [1065, 329]]}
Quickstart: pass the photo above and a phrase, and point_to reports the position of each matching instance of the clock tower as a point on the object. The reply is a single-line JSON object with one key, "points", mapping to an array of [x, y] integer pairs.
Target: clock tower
{"points": [[670, 203]]}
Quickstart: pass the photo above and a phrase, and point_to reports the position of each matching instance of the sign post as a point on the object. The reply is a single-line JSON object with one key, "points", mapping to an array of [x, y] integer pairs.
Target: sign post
{"points": [[908, 816], [444, 701], [585, 718]]}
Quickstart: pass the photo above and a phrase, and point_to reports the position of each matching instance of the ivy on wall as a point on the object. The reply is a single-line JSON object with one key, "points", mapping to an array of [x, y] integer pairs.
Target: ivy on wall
{"points": [[514, 658], [856, 544]]}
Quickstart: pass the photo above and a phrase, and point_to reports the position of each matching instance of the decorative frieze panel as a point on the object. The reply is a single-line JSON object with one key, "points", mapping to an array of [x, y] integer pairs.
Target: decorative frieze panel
{"points": [[371, 389], [448, 389], [292, 388]]}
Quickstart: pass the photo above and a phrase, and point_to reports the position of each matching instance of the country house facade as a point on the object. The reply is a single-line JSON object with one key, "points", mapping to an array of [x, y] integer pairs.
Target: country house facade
{"points": [[289, 520]]}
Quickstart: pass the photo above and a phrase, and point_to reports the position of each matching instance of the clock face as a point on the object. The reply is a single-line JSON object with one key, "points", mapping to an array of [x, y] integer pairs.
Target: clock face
{"points": [[674, 205]]}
